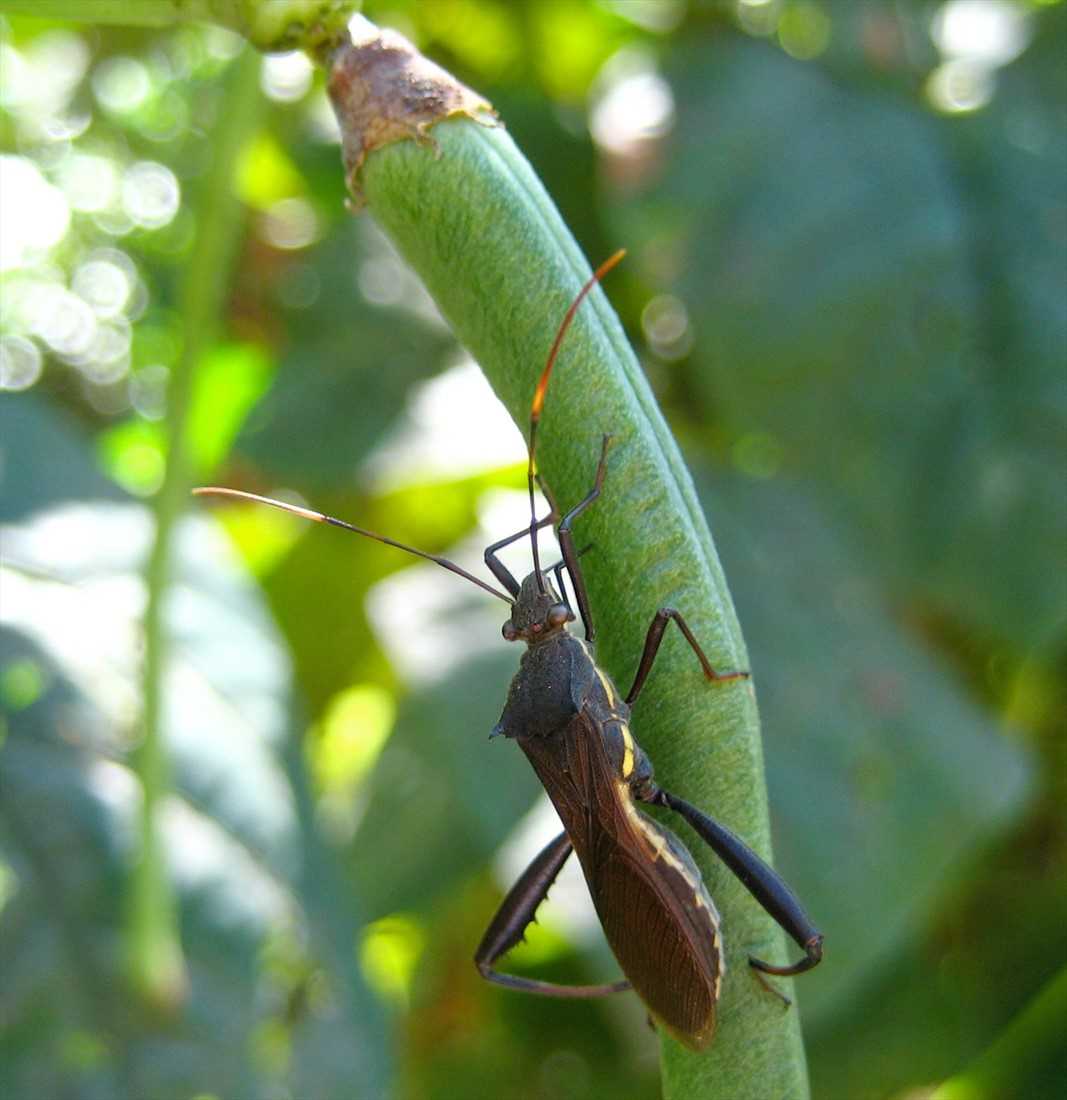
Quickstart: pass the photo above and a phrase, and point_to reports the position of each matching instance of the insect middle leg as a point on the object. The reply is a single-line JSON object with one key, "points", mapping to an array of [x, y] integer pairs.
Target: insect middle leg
{"points": [[652, 643], [513, 918]]}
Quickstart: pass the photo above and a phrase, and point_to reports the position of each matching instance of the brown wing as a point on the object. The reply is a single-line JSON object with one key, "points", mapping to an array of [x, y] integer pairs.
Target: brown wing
{"points": [[656, 913], [661, 925], [572, 768]]}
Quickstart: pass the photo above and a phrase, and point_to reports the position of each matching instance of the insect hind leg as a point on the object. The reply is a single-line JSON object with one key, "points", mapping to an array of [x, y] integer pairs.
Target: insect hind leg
{"points": [[758, 877], [515, 915]]}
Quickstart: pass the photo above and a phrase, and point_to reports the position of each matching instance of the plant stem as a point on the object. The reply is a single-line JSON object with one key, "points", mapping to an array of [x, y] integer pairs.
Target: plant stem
{"points": [[267, 24], [155, 962], [471, 217]]}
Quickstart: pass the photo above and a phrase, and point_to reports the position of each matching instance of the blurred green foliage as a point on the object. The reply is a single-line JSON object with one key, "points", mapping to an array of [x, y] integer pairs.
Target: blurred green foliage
{"points": [[848, 230]]}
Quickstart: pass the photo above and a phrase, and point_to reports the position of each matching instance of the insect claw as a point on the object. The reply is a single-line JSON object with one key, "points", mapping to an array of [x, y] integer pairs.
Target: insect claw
{"points": [[754, 966]]}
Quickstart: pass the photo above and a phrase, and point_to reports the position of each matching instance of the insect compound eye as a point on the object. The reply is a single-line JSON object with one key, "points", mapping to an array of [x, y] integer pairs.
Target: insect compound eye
{"points": [[509, 632], [559, 615]]}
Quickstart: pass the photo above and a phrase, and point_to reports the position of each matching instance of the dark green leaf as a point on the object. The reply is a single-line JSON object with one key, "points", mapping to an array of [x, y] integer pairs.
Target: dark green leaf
{"points": [[235, 840], [444, 797], [348, 369], [886, 312], [884, 778]]}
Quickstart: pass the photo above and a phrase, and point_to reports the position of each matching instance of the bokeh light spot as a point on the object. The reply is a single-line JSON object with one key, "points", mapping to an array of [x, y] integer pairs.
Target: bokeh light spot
{"points": [[286, 77], [63, 320], [91, 183], [634, 105], [759, 17], [758, 454], [133, 454], [104, 283], [121, 84], [290, 224], [986, 32], [20, 363], [150, 194], [148, 391], [959, 86], [390, 949], [804, 31], [665, 323], [22, 683], [34, 214], [352, 733], [107, 358]]}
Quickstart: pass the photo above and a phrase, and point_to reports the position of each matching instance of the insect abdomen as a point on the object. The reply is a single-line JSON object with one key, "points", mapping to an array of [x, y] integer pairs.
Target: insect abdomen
{"points": [[664, 934]]}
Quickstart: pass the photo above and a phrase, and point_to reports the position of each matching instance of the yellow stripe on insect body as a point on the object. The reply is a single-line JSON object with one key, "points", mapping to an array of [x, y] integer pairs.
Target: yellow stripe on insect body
{"points": [[627, 750], [608, 686], [660, 850], [605, 683]]}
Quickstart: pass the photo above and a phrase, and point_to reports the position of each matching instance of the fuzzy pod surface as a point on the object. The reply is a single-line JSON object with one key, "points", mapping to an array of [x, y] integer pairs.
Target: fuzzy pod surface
{"points": [[468, 213]]}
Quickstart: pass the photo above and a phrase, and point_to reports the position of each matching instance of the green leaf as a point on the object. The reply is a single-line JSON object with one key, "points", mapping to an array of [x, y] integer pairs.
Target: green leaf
{"points": [[1027, 1055], [443, 797], [235, 832], [318, 590], [874, 297], [35, 474], [886, 781], [346, 375], [229, 381]]}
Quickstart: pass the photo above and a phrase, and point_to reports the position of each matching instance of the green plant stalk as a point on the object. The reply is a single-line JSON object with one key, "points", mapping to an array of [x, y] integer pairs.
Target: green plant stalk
{"points": [[471, 217], [267, 24], [154, 963]]}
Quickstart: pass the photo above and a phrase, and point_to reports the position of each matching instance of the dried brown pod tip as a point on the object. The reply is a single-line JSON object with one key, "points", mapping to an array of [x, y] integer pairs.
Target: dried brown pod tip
{"points": [[383, 90]]}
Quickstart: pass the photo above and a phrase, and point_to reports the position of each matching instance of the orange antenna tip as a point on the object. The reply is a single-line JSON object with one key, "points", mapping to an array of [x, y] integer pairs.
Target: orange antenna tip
{"points": [[542, 385], [239, 494], [609, 263], [538, 402]]}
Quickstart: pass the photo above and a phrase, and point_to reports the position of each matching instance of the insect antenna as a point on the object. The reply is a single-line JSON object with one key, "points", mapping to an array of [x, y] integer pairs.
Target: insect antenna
{"points": [[539, 398], [321, 517]]}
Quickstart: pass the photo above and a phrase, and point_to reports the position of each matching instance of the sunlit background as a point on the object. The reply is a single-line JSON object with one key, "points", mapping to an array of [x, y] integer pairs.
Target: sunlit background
{"points": [[847, 226]]}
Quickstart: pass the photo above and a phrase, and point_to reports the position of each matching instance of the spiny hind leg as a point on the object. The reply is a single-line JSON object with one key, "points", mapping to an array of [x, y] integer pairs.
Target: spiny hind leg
{"points": [[514, 916]]}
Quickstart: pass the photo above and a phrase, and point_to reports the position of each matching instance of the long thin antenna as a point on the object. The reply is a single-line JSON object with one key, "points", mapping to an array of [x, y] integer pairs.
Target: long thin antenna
{"points": [[539, 398], [321, 517]]}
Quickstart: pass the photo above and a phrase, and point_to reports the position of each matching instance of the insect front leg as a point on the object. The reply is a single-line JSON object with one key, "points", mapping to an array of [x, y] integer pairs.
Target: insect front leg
{"points": [[514, 916], [566, 541], [652, 643], [497, 567], [557, 571], [758, 877]]}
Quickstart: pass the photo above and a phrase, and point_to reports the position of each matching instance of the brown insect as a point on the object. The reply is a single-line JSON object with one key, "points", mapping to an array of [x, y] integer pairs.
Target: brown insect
{"points": [[574, 726]]}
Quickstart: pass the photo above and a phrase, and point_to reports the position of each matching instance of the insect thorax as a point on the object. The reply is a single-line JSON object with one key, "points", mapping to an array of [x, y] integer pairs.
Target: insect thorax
{"points": [[547, 690]]}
